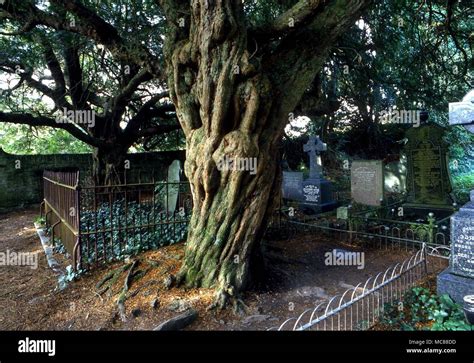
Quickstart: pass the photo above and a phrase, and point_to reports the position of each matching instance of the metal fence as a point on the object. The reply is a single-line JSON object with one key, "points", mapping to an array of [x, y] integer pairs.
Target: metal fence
{"points": [[61, 208], [99, 224], [430, 231], [360, 308], [383, 233]]}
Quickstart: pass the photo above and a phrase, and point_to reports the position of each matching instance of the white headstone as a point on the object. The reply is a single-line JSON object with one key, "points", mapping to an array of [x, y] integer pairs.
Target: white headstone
{"points": [[171, 198], [367, 181]]}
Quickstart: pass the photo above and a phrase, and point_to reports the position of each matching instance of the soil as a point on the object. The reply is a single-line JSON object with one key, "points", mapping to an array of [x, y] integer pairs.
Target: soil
{"points": [[295, 278]]}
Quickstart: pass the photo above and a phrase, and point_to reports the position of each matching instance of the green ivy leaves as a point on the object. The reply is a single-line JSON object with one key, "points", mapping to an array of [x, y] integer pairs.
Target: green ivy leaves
{"points": [[425, 311]]}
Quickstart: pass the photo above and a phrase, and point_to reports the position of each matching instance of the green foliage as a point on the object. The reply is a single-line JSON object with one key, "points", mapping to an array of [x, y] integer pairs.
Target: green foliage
{"points": [[40, 220], [372, 69], [461, 152], [23, 139], [69, 276], [173, 140], [422, 310], [59, 247], [462, 185], [124, 229], [263, 12], [101, 77]]}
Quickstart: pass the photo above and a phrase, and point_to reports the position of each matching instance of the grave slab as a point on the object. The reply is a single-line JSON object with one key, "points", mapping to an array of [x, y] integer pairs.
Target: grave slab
{"points": [[454, 285], [367, 182], [428, 180], [292, 185]]}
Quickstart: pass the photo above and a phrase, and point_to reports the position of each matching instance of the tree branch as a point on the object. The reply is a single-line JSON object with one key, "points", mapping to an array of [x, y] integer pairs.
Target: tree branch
{"points": [[148, 111], [56, 71], [106, 34], [74, 73], [159, 129], [123, 98], [28, 119], [298, 15], [90, 25], [301, 54]]}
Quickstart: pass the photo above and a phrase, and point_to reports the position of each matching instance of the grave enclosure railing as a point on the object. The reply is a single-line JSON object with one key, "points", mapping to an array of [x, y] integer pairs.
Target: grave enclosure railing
{"points": [[100, 224], [361, 307], [61, 205], [382, 232]]}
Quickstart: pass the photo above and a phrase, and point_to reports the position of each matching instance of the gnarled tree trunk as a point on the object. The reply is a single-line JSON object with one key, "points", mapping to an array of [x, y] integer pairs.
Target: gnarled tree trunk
{"points": [[234, 105], [108, 165]]}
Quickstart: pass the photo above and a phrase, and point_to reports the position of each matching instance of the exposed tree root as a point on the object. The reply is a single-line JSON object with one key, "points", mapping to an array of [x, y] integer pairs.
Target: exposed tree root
{"points": [[123, 295], [140, 288], [179, 278], [133, 275], [226, 296], [112, 278], [151, 262]]}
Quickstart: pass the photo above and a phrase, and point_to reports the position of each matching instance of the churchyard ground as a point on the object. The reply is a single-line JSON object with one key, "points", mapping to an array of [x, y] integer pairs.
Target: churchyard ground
{"points": [[295, 278]]}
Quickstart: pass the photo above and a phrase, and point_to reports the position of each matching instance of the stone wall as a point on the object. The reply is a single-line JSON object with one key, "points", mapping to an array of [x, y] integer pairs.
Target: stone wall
{"points": [[21, 175]]}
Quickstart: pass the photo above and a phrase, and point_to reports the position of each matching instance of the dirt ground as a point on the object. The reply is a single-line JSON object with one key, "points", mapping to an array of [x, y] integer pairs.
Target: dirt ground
{"points": [[295, 278]]}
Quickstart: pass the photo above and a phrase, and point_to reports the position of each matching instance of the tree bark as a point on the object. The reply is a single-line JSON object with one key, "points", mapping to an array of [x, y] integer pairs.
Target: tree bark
{"points": [[231, 105], [108, 165]]}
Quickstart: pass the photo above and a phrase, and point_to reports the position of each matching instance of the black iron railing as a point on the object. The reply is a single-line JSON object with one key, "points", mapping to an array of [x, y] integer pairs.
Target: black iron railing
{"points": [[100, 224]]}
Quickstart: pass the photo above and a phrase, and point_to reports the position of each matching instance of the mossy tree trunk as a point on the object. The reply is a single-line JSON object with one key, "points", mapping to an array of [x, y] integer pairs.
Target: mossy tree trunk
{"points": [[108, 165], [233, 89]]}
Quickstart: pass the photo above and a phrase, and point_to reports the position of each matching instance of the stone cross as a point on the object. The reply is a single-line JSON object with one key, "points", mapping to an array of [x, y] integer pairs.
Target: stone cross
{"points": [[314, 148], [462, 113]]}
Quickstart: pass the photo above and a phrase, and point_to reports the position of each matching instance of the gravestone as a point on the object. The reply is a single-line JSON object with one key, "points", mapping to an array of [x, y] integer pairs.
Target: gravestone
{"points": [[342, 213], [367, 182], [458, 279], [317, 191], [428, 180], [171, 197], [314, 147], [312, 191], [292, 185], [462, 248]]}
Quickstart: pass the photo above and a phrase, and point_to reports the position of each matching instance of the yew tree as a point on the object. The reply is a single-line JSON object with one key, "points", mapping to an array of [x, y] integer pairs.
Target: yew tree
{"points": [[234, 71], [85, 57], [435, 35], [233, 84]]}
